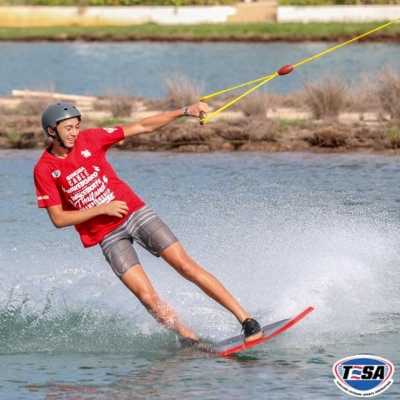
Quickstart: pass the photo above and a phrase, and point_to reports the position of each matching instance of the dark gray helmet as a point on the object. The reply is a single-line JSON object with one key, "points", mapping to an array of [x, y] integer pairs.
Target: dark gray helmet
{"points": [[56, 113]]}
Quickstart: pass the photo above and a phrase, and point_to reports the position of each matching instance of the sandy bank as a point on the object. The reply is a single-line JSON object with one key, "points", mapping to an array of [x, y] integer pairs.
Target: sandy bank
{"points": [[284, 128]]}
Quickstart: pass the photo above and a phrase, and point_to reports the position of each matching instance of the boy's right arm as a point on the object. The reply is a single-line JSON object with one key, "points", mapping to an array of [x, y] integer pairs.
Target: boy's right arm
{"points": [[61, 218]]}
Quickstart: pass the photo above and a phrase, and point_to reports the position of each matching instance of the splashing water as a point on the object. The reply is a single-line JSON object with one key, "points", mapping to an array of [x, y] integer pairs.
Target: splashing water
{"points": [[278, 237]]}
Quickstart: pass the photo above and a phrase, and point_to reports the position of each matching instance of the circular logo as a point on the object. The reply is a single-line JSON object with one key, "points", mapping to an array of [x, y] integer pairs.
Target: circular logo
{"points": [[363, 375]]}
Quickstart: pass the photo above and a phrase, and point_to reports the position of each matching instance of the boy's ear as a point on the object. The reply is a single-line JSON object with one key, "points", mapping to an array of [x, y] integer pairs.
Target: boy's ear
{"points": [[51, 131]]}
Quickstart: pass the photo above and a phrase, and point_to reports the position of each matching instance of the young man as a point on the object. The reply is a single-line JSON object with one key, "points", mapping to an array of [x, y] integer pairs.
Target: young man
{"points": [[77, 186]]}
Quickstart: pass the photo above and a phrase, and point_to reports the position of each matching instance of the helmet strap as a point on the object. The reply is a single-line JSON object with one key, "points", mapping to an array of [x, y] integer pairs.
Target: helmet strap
{"points": [[59, 140]]}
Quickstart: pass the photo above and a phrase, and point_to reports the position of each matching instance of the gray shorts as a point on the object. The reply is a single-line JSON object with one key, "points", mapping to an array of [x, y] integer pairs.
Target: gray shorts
{"points": [[144, 227]]}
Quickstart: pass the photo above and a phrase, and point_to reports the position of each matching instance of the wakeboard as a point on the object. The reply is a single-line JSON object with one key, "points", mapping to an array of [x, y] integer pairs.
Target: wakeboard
{"points": [[235, 344]]}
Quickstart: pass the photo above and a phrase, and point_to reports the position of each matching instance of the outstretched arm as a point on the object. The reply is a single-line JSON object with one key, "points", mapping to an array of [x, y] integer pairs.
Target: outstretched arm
{"points": [[62, 218], [155, 122]]}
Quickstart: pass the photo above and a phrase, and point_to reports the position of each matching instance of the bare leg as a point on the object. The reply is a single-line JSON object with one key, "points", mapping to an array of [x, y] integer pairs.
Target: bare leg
{"points": [[139, 284], [176, 256]]}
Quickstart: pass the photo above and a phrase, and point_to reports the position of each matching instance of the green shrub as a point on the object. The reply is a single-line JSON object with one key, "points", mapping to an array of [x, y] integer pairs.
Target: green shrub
{"points": [[33, 106], [328, 137], [181, 90], [255, 104], [326, 98], [21, 140], [393, 136], [389, 91], [119, 102]]}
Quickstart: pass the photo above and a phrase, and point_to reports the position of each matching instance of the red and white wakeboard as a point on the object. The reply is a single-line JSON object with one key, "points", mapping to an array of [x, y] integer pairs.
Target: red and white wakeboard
{"points": [[235, 344]]}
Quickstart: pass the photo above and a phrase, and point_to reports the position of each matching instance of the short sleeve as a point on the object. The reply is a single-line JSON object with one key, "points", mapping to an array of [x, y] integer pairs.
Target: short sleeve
{"points": [[46, 189], [107, 137]]}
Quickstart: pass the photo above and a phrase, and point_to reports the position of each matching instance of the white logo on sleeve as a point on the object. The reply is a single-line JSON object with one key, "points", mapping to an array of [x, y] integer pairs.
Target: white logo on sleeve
{"points": [[110, 130]]}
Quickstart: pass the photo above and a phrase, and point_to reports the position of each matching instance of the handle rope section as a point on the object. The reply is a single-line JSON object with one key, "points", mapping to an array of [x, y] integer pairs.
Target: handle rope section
{"points": [[203, 120], [286, 69]]}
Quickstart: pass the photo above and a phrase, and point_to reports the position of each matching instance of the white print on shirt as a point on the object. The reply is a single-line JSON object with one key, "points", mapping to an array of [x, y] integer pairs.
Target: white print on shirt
{"points": [[110, 130], [86, 153], [86, 189]]}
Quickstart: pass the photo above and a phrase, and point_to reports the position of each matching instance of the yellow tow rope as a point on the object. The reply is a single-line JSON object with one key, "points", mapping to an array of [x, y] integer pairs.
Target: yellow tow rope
{"points": [[286, 69]]}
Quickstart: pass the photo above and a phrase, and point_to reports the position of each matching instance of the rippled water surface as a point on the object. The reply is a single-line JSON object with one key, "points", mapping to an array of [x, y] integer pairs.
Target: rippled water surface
{"points": [[281, 231], [138, 67]]}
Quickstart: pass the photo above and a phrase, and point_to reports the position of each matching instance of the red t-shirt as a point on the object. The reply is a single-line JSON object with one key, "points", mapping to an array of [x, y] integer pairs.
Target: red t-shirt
{"points": [[83, 180]]}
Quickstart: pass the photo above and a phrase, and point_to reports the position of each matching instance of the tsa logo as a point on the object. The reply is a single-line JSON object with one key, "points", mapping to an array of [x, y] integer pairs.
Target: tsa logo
{"points": [[363, 376]]}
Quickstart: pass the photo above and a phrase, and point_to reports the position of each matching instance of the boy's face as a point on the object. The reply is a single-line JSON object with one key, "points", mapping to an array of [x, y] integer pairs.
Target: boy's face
{"points": [[68, 131]]}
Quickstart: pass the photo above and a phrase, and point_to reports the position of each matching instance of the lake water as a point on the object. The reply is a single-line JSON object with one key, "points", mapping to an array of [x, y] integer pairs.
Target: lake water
{"points": [[137, 67], [282, 231]]}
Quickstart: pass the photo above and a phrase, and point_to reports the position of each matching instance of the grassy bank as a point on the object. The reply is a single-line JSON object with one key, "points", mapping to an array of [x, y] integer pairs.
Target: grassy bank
{"points": [[324, 117], [257, 32]]}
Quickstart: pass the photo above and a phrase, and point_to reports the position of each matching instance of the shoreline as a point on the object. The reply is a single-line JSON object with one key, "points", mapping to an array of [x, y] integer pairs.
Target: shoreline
{"points": [[285, 127], [255, 39], [240, 33]]}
